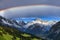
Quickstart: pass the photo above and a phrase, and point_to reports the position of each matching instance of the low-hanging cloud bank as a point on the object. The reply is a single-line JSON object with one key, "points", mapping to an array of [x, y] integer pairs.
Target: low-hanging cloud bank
{"points": [[32, 11]]}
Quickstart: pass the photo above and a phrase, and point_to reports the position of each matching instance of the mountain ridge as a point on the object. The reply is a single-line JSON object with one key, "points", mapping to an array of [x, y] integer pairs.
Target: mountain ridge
{"points": [[37, 28]]}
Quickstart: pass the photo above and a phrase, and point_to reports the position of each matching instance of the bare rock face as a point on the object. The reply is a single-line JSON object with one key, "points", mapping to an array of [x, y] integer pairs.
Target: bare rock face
{"points": [[38, 28], [22, 23], [54, 32]]}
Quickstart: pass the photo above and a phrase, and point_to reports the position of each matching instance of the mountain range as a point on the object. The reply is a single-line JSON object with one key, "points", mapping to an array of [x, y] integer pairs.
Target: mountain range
{"points": [[48, 30]]}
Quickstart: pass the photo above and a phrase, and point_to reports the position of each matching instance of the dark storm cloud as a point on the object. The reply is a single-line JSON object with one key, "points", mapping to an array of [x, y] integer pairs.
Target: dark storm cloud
{"points": [[32, 11], [12, 3]]}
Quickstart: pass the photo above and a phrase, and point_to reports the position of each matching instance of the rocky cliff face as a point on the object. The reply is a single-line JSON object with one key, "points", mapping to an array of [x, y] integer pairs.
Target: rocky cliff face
{"points": [[39, 27], [54, 32], [43, 29]]}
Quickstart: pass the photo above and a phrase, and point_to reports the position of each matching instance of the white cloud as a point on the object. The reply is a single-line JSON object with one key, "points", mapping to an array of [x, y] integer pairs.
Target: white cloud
{"points": [[2, 13]]}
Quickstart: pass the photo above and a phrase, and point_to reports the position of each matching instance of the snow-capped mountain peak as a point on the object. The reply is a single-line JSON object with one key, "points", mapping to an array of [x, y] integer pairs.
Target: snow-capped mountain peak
{"points": [[41, 23]]}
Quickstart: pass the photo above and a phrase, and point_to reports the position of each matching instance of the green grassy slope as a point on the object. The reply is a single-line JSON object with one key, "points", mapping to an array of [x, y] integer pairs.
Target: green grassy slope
{"points": [[13, 34]]}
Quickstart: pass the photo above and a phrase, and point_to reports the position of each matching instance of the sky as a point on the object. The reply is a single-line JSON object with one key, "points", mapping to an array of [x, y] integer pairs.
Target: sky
{"points": [[4, 4], [29, 19]]}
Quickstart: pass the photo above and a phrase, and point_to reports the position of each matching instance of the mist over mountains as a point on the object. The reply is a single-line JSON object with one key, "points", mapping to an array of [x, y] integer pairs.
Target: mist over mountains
{"points": [[37, 27]]}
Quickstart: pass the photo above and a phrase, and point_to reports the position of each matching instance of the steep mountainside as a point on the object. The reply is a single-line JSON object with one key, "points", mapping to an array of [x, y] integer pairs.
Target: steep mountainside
{"points": [[10, 32], [34, 30], [39, 27], [54, 32]]}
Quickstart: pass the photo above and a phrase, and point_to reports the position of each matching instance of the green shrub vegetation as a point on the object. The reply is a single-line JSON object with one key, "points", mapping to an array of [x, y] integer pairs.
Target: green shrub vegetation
{"points": [[7, 33]]}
